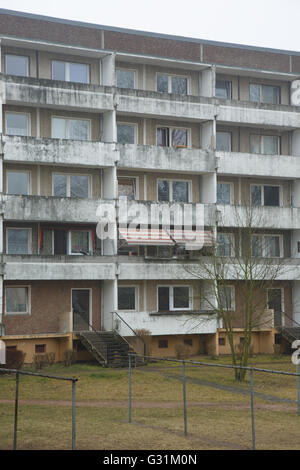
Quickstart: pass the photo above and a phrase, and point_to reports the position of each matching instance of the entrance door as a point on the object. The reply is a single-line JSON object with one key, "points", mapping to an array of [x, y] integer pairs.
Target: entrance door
{"points": [[275, 303], [81, 309]]}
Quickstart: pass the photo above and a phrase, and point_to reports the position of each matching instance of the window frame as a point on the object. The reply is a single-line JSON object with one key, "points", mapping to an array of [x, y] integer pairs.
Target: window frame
{"points": [[262, 146], [23, 286], [135, 72], [28, 115], [135, 131], [232, 244], [136, 179], [224, 132], [29, 229], [171, 128], [170, 181], [170, 75], [223, 80], [67, 71], [136, 298], [171, 297], [68, 184], [231, 185], [29, 189], [261, 85], [18, 55], [262, 193], [67, 119], [232, 298], [263, 244], [69, 242]]}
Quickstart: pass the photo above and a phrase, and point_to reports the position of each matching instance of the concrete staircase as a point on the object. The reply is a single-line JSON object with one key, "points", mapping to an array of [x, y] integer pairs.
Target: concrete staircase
{"points": [[290, 333], [107, 347]]}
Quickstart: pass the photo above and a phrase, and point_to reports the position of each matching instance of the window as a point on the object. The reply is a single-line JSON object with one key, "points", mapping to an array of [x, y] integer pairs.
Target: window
{"points": [[224, 193], [222, 342], [176, 191], [227, 297], [127, 188], [163, 344], [225, 244], [172, 84], [18, 241], [125, 78], [70, 72], [40, 348], [265, 144], [79, 242], [174, 298], [223, 141], [223, 89], [263, 195], [17, 124], [264, 93], [71, 185], [171, 137], [267, 246], [75, 129], [126, 133], [188, 342], [18, 182], [17, 300], [127, 298], [16, 65]]}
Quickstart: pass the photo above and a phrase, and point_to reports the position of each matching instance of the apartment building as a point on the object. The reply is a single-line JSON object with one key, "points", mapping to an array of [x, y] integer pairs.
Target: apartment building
{"points": [[93, 117]]}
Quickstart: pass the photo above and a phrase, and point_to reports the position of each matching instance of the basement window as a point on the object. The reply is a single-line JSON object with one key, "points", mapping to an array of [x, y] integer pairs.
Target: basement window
{"points": [[70, 71], [221, 341], [40, 348], [17, 300], [17, 65], [163, 344]]}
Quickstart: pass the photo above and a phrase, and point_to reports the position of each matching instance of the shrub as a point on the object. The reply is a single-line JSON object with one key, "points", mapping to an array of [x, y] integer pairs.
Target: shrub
{"points": [[69, 357], [182, 351], [40, 360], [14, 359]]}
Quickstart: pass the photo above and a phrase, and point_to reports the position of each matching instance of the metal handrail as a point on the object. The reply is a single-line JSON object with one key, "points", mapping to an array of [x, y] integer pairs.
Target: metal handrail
{"points": [[134, 332], [105, 352]]}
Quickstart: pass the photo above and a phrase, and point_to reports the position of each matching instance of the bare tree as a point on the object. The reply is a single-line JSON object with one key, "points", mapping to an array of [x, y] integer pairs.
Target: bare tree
{"points": [[249, 261]]}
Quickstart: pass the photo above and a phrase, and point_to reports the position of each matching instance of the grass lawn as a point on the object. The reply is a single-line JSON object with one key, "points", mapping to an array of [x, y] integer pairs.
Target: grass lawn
{"points": [[218, 408]]}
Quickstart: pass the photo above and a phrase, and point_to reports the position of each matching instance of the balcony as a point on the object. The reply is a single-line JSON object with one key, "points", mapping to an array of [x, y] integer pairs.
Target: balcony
{"points": [[258, 114], [56, 94], [285, 218], [169, 323], [252, 165], [58, 152], [146, 157], [35, 267], [50, 209], [150, 103]]}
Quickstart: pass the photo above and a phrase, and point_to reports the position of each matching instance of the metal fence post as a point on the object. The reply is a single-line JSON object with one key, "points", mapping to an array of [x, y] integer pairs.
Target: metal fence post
{"points": [[73, 414], [298, 389], [184, 398], [16, 411], [129, 359], [252, 409]]}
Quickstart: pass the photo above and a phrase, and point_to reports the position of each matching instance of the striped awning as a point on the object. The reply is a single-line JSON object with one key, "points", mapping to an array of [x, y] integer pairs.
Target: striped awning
{"points": [[192, 239]]}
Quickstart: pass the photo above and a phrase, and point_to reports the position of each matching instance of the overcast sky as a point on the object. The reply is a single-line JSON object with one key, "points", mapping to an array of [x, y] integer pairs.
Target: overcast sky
{"points": [[265, 23]]}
